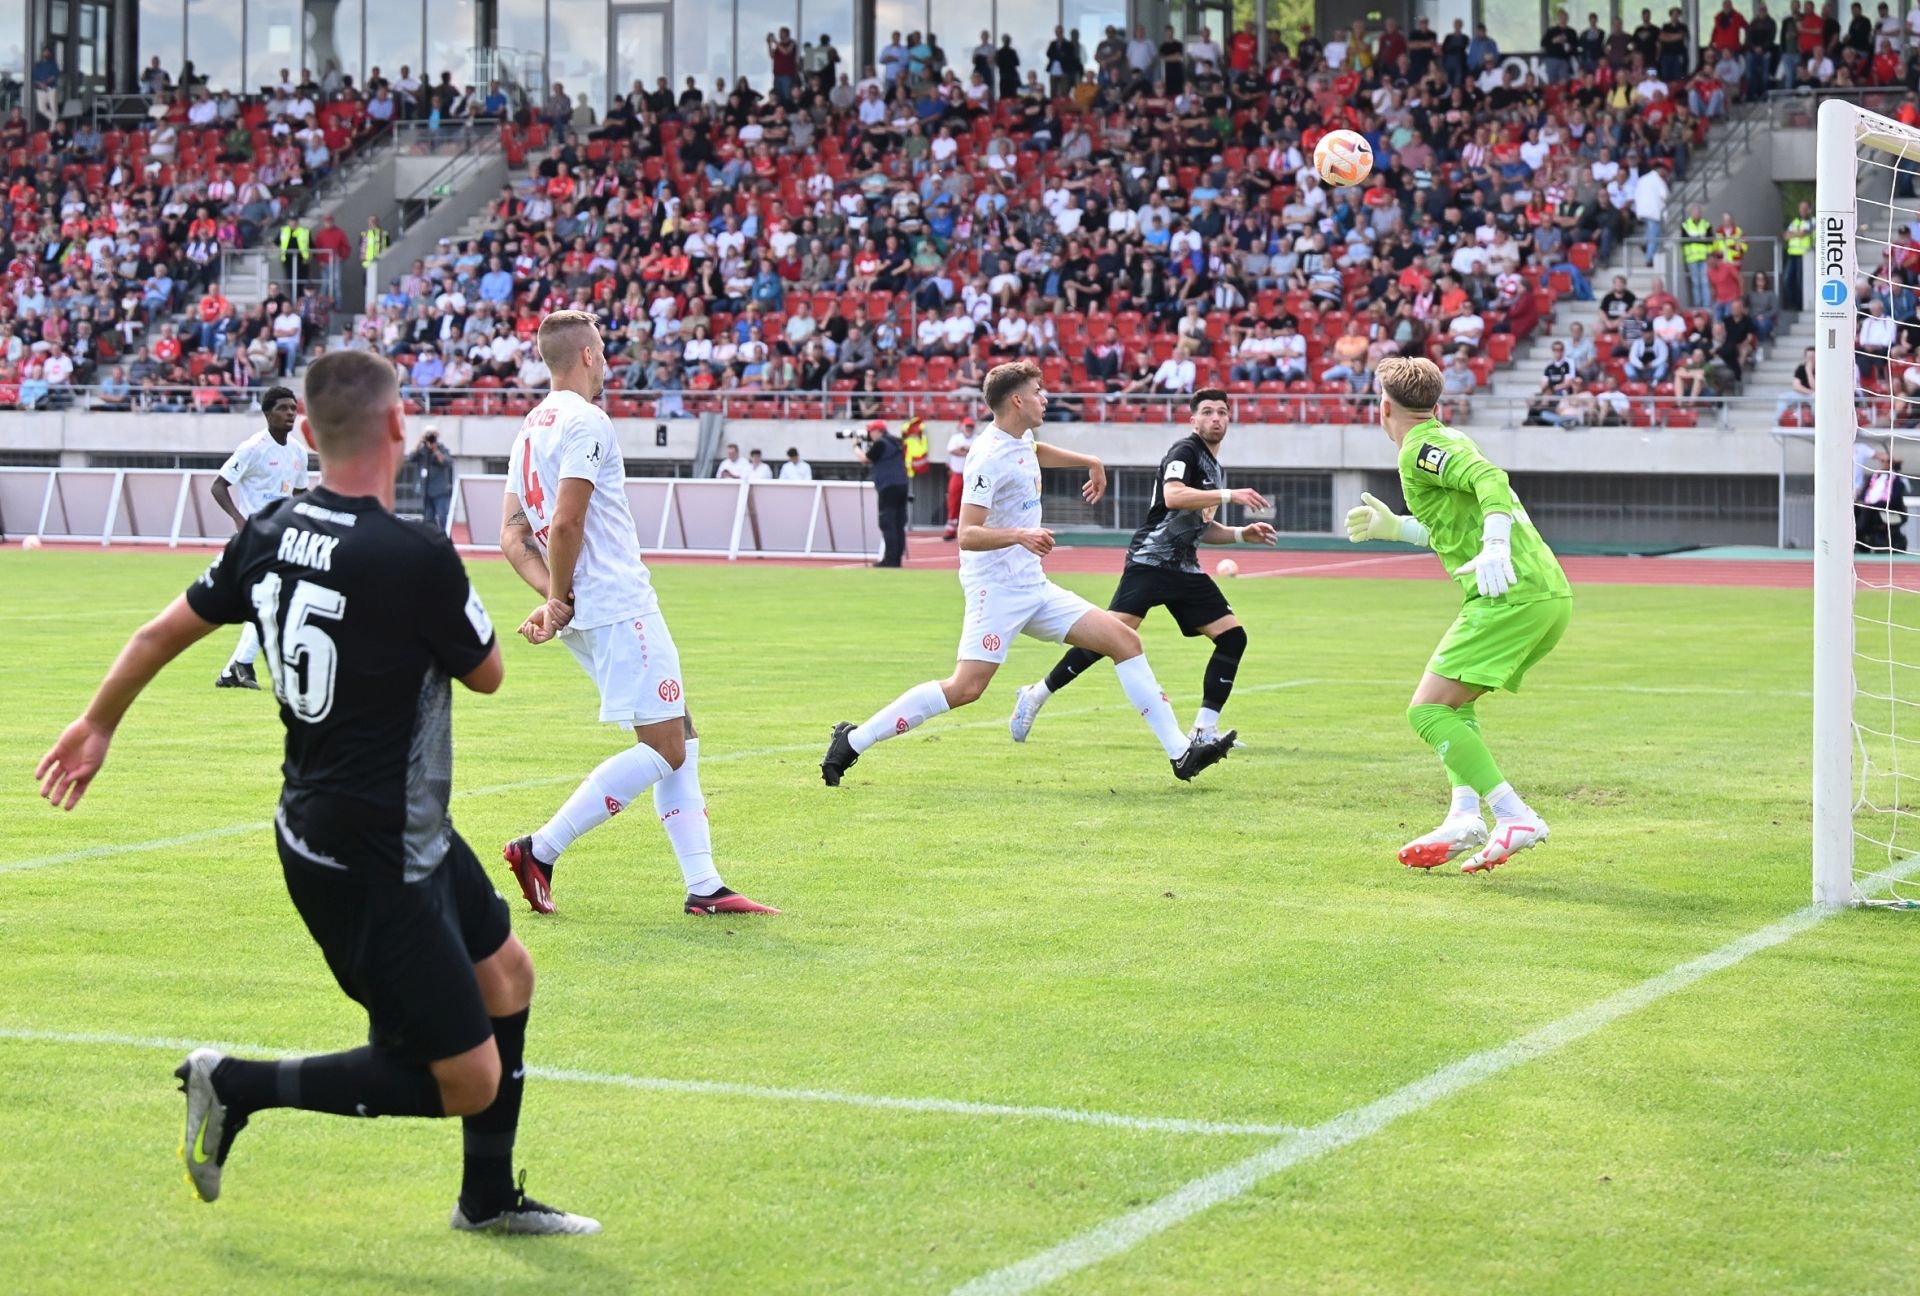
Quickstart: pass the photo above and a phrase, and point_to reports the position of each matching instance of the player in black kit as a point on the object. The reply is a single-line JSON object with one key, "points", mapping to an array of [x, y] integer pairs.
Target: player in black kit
{"points": [[363, 620], [1163, 569]]}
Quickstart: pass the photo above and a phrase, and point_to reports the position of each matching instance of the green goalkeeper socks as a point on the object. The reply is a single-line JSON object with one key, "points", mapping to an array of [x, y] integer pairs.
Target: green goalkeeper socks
{"points": [[1455, 739]]}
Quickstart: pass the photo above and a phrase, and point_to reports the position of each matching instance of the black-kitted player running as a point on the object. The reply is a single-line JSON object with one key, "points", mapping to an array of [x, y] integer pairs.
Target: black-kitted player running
{"points": [[1163, 567], [363, 620]]}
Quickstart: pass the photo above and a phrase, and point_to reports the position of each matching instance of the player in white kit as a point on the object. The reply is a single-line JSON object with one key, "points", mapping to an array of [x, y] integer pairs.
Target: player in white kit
{"points": [[1008, 593], [570, 535], [267, 466]]}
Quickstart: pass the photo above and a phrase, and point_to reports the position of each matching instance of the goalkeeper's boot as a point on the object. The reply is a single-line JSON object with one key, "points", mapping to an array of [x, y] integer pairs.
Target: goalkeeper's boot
{"points": [[1199, 755], [1509, 838], [535, 878], [840, 755], [725, 901], [237, 675], [522, 1215], [1026, 709], [1459, 834], [211, 1124]]}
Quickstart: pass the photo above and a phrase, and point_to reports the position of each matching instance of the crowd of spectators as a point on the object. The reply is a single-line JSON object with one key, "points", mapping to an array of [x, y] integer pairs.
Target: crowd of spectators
{"points": [[111, 242], [1140, 217]]}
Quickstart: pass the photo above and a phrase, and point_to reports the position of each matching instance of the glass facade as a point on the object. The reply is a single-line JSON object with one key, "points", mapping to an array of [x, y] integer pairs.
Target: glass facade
{"points": [[453, 29], [13, 40], [833, 18], [273, 41], [577, 49], [1515, 25], [903, 16], [702, 44], [595, 46], [395, 37], [213, 43], [334, 38]]}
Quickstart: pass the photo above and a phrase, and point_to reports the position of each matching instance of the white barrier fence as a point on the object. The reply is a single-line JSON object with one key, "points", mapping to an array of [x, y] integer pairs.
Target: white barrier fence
{"points": [[720, 519], [697, 517], [157, 506]]}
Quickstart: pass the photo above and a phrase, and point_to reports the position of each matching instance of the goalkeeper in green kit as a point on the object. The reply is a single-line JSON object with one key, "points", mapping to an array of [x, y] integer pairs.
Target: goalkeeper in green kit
{"points": [[1518, 605]]}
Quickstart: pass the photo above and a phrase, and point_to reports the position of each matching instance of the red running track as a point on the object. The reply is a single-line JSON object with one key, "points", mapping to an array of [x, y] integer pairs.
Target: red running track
{"points": [[930, 552]]}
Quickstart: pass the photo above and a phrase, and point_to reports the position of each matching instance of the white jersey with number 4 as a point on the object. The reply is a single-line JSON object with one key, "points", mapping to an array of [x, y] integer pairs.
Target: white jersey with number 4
{"points": [[263, 470], [567, 436], [1003, 476]]}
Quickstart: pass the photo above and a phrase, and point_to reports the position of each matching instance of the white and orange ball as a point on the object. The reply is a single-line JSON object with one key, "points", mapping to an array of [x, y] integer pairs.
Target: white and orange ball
{"points": [[30, 542], [1226, 567], [1343, 158]]}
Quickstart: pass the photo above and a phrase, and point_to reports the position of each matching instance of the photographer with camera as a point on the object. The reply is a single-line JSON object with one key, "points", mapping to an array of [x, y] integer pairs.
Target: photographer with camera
{"points": [[887, 460], [435, 470]]}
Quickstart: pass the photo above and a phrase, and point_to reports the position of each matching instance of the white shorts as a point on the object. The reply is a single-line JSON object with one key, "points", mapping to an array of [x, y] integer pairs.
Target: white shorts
{"points": [[635, 666], [996, 614]]}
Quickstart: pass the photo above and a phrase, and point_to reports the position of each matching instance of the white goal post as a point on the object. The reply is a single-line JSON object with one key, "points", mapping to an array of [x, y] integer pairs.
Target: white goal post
{"points": [[1866, 640]]}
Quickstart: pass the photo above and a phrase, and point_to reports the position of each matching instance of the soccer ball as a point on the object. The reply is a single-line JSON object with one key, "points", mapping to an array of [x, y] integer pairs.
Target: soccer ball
{"points": [[30, 542], [1342, 158], [1226, 567]]}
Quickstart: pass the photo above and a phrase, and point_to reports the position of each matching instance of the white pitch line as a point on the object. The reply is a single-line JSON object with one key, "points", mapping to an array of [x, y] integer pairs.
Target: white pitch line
{"points": [[725, 1089], [1342, 565], [1124, 1232]]}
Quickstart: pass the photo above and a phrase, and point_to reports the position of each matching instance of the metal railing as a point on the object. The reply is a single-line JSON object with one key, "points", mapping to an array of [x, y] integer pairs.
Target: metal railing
{"points": [[1798, 109], [1764, 253]]}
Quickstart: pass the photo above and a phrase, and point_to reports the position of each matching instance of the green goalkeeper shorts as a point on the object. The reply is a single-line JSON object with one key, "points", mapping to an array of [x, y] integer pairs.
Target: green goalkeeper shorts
{"points": [[1494, 645]]}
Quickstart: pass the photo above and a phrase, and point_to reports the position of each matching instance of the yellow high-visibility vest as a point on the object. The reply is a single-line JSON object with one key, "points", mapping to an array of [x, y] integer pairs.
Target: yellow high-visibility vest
{"points": [[1698, 240], [297, 236], [1799, 237], [1731, 244], [373, 241]]}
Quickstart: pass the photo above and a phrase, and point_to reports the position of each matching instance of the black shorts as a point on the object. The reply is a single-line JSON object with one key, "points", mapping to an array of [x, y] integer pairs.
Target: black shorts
{"points": [[405, 951], [1191, 597]]}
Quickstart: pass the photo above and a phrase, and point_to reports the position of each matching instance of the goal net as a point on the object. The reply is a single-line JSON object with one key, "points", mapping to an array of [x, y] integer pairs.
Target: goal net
{"points": [[1866, 751]]}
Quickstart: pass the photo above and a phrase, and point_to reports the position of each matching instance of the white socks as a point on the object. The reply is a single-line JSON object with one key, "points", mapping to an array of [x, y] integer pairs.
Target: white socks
{"points": [[614, 785], [1143, 690], [682, 808], [1506, 804], [1207, 720], [248, 648], [910, 710], [1465, 802]]}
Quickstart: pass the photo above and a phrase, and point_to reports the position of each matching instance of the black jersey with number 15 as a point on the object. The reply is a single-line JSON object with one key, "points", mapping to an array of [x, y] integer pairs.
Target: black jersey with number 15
{"points": [[363, 619], [1168, 537]]}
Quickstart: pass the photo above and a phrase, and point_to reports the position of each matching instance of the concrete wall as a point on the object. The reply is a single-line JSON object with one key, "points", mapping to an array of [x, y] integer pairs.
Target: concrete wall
{"points": [[1310, 447]]}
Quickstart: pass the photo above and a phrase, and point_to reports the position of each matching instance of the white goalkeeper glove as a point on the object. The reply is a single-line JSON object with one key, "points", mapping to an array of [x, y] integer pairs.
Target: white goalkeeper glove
{"points": [[1492, 567], [1372, 520]]}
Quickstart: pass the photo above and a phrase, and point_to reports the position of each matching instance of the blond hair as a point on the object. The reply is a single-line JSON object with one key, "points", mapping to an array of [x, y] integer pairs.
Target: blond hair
{"points": [[563, 334], [1005, 379], [1411, 382]]}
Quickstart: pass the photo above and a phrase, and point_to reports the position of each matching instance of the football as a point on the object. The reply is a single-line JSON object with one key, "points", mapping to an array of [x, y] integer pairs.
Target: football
{"points": [[31, 542], [1343, 157], [1226, 567]]}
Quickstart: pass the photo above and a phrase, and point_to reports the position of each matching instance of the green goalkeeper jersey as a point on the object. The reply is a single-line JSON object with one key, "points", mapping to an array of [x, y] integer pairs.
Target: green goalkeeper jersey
{"points": [[1450, 488]]}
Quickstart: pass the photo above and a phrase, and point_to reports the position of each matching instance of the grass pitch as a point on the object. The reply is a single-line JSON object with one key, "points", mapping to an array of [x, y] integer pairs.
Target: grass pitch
{"points": [[1056, 926]]}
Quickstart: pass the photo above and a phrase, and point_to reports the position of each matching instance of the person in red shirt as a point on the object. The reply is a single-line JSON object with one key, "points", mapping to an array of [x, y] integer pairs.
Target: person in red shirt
{"points": [[166, 347], [1886, 64], [213, 309], [1723, 279], [1812, 31], [561, 187], [1729, 28], [1242, 49], [1393, 43], [330, 243]]}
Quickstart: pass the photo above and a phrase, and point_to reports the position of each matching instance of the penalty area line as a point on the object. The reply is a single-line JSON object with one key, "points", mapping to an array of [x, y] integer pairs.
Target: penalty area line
{"points": [[1122, 1233], [726, 1089]]}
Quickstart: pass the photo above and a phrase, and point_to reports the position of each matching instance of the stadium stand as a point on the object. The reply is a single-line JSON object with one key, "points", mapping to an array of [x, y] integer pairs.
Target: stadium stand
{"points": [[790, 253], [114, 241]]}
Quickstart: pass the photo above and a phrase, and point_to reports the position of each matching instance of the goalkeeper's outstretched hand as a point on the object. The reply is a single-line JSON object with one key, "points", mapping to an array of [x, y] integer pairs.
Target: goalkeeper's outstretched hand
{"points": [[1372, 520], [1492, 568]]}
